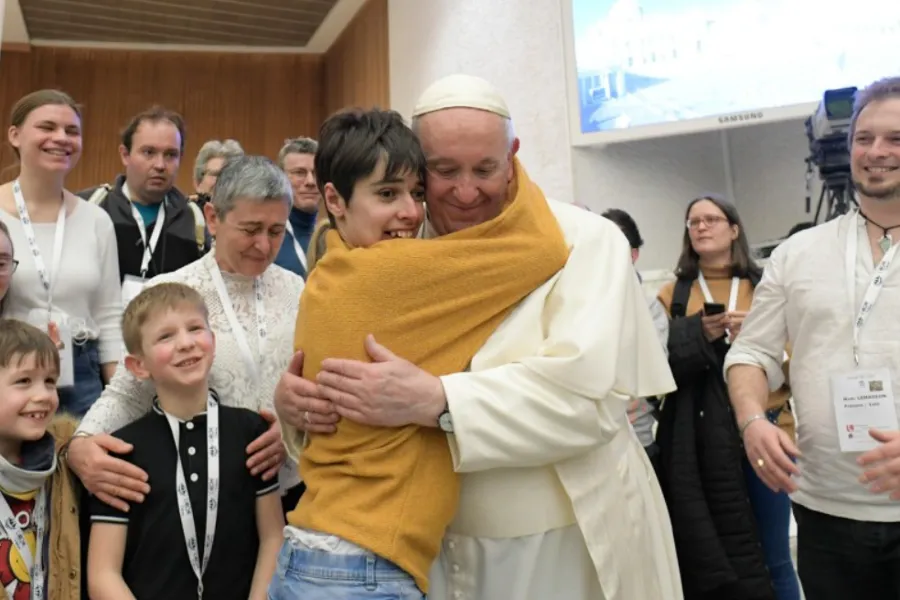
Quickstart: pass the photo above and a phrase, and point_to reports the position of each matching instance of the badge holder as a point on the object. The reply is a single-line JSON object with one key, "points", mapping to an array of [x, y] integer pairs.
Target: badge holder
{"points": [[57, 327], [863, 400], [131, 287]]}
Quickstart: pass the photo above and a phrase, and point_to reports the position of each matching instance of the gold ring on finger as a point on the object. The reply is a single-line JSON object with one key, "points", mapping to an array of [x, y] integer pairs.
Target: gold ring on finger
{"points": [[760, 463]]}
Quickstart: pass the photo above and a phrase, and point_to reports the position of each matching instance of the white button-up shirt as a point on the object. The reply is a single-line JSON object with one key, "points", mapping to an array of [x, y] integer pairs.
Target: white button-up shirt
{"points": [[803, 298]]}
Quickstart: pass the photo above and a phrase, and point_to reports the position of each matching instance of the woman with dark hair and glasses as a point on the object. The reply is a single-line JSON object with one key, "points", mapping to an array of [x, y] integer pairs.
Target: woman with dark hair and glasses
{"points": [[731, 531], [8, 263]]}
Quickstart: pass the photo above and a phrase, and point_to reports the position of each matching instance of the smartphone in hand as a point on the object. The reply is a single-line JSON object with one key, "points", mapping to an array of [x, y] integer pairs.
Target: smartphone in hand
{"points": [[712, 308]]}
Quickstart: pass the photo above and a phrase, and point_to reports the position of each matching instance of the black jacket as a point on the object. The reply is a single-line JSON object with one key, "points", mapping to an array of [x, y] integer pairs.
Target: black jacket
{"points": [[178, 244], [701, 473]]}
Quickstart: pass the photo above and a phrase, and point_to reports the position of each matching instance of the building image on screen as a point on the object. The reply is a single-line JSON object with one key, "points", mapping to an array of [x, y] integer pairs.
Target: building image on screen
{"points": [[647, 62]]}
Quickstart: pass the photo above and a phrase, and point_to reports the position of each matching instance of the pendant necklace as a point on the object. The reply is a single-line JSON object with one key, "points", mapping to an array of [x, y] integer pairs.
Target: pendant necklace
{"points": [[886, 240]]}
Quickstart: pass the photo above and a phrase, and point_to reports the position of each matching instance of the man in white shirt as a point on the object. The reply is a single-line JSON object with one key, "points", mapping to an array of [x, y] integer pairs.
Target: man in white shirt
{"points": [[833, 292], [558, 499]]}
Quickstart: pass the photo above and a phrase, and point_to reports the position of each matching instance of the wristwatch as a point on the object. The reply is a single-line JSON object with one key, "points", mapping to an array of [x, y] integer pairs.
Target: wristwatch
{"points": [[445, 420]]}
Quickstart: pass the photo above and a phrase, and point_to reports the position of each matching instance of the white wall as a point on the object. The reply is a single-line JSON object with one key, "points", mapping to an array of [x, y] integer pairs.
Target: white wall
{"points": [[655, 179], [518, 46], [515, 45]]}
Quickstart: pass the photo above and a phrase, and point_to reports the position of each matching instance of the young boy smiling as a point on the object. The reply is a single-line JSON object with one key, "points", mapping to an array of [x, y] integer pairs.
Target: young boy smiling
{"points": [[39, 536], [208, 529]]}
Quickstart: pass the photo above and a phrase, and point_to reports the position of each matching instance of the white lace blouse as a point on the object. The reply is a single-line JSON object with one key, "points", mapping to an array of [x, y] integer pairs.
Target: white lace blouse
{"points": [[127, 398]]}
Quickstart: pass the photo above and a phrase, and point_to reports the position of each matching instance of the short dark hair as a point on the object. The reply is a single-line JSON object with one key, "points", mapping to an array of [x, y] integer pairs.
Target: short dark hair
{"points": [[883, 89], [154, 114], [351, 142], [742, 264], [19, 340], [627, 225]]}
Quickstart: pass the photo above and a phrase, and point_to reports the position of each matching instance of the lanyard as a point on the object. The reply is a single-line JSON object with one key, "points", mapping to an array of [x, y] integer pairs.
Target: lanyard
{"points": [[253, 364], [58, 239], [149, 248], [875, 286], [301, 255], [732, 297], [34, 563], [212, 492]]}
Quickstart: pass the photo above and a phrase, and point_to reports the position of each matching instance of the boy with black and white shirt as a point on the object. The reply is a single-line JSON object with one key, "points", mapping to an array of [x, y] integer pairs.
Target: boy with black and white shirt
{"points": [[208, 529]]}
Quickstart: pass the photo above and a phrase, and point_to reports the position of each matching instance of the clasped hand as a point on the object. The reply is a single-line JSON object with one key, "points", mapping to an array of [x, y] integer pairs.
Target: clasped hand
{"points": [[716, 326]]}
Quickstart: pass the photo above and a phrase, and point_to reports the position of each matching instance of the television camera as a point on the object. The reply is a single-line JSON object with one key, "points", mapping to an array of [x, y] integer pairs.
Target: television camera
{"points": [[829, 153]]}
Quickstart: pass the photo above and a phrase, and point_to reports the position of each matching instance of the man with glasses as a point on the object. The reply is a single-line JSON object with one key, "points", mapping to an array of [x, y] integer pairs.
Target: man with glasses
{"points": [[296, 158]]}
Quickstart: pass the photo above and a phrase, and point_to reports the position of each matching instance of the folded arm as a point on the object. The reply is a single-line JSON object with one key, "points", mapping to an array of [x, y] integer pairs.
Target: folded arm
{"points": [[760, 349]]}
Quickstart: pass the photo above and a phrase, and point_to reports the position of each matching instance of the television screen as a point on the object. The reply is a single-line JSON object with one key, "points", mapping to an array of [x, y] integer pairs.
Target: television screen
{"points": [[645, 68]]}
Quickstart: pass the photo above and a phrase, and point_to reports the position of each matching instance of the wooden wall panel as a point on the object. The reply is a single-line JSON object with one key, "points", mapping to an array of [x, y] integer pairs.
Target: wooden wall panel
{"points": [[257, 99], [356, 65]]}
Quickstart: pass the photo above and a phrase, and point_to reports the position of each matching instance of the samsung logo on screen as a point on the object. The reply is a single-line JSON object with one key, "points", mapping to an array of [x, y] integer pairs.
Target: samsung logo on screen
{"points": [[741, 118]]}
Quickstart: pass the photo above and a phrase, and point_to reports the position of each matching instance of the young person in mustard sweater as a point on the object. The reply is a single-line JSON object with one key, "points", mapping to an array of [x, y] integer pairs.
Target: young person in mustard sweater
{"points": [[379, 499], [715, 268]]}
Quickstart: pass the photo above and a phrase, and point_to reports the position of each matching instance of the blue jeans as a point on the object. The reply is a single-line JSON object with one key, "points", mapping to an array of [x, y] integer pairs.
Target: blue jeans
{"points": [[773, 522], [303, 574], [76, 400]]}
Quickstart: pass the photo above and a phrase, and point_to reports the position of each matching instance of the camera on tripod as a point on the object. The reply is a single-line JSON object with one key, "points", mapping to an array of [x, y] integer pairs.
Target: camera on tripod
{"points": [[829, 153]]}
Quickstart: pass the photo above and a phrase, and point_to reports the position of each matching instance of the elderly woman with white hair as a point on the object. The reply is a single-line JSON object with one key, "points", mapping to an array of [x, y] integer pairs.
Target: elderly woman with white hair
{"points": [[209, 162], [252, 312]]}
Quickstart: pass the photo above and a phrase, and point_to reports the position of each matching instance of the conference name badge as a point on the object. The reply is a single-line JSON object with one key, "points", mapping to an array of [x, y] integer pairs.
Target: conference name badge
{"points": [[863, 400], [131, 287]]}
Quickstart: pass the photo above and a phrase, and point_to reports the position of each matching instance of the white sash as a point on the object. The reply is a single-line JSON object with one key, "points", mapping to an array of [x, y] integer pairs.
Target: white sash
{"points": [[251, 360], [875, 286], [58, 240], [212, 492], [34, 564], [149, 248], [298, 250]]}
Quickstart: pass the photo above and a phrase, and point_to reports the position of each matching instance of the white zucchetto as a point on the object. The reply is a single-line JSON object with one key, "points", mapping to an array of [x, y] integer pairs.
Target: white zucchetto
{"points": [[461, 91]]}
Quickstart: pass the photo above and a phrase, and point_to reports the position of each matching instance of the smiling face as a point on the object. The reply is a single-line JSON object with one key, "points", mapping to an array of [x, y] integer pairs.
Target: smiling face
{"points": [[300, 169], [381, 208], [28, 400], [177, 348], [470, 164], [875, 150], [49, 139], [7, 262]]}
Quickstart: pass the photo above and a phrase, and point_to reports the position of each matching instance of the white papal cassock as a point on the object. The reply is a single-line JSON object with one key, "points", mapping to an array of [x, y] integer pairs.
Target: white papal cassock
{"points": [[558, 499]]}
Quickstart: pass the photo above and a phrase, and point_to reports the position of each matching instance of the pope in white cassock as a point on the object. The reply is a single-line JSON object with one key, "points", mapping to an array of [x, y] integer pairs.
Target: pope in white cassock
{"points": [[558, 499]]}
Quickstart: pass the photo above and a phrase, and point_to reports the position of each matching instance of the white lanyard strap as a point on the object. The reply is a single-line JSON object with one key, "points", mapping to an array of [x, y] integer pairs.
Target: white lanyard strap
{"points": [[58, 240], [34, 564], [253, 363], [212, 492], [298, 250], [149, 248], [875, 286], [732, 297]]}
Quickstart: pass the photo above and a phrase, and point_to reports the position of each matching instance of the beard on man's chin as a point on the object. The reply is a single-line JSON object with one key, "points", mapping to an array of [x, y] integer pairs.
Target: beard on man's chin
{"points": [[878, 193]]}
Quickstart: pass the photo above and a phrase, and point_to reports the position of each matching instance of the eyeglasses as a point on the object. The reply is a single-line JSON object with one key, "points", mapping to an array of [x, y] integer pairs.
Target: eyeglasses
{"points": [[8, 266], [709, 221]]}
